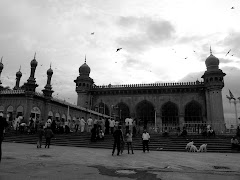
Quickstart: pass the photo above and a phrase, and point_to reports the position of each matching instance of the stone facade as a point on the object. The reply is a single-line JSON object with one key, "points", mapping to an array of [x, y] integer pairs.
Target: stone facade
{"points": [[159, 105]]}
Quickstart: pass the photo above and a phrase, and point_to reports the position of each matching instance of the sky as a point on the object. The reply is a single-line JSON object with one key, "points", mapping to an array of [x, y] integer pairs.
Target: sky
{"points": [[161, 41]]}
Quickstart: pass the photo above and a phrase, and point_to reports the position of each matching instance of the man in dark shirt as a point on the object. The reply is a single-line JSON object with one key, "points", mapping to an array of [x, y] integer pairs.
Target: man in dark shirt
{"points": [[118, 137], [3, 125]]}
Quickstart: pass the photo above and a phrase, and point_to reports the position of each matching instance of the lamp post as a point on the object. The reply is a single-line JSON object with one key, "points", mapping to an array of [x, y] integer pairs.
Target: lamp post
{"points": [[230, 98]]}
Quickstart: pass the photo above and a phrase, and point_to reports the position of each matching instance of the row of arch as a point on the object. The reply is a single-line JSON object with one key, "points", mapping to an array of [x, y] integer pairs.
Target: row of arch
{"points": [[145, 111]]}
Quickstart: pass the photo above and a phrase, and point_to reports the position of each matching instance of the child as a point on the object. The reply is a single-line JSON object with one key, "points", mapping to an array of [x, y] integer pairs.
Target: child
{"points": [[40, 135], [48, 136]]}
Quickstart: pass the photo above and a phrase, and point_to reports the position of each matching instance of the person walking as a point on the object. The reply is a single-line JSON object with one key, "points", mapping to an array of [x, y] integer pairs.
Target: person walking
{"points": [[3, 125], [112, 124], [118, 137], [77, 124], [40, 135], [48, 135], [129, 140], [146, 139]]}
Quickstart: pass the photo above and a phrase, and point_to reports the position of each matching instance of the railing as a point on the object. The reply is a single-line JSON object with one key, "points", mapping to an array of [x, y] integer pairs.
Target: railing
{"points": [[150, 85]]}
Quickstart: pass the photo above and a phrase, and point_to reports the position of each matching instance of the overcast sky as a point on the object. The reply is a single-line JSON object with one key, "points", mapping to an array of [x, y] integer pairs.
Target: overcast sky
{"points": [[161, 41]]}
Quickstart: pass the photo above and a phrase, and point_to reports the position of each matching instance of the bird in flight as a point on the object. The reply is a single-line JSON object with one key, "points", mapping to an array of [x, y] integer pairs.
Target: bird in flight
{"points": [[228, 52], [185, 57], [92, 33], [232, 7], [118, 49]]}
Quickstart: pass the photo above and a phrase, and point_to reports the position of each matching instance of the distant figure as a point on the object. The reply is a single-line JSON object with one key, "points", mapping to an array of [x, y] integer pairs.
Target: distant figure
{"points": [[82, 124], [184, 132], [112, 124], [48, 135], [238, 132], [89, 124], [94, 133], [77, 125], [165, 132], [211, 132], [106, 126], [53, 126], [118, 137], [127, 124], [145, 140], [40, 133], [235, 143], [3, 125], [129, 140]]}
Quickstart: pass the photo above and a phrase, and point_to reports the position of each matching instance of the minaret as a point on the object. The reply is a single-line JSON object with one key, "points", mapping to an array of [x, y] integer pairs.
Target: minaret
{"points": [[213, 82], [47, 91], [18, 77], [31, 85], [1, 68], [83, 86]]}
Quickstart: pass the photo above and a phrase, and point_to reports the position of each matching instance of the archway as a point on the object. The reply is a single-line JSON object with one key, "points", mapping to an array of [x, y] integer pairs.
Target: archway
{"points": [[170, 119], [19, 111], [121, 111], [57, 117], [35, 113], [193, 118], [102, 108], [10, 113], [193, 113], [145, 114], [50, 115]]}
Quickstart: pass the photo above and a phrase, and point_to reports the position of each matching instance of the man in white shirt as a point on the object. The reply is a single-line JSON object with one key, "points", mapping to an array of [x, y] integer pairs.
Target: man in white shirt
{"points": [[111, 125], [82, 124], [127, 124], [145, 138], [89, 123]]}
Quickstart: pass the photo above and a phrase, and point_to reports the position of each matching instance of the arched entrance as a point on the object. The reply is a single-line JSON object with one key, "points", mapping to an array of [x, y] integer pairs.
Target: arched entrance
{"points": [[193, 118], [121, 111], [50, 115], [102, 108], [19, 111], [35, 113], [10, 113], [145, 114], [170, 119]]}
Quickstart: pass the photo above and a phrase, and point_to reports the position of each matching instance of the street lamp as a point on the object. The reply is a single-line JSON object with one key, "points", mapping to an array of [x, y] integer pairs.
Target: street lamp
{"points": [[230, 98]]}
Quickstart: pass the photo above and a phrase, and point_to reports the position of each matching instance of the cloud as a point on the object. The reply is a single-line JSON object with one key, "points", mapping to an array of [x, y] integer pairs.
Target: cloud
{"points": [[143, 32], [226, 61], [233, 42]]}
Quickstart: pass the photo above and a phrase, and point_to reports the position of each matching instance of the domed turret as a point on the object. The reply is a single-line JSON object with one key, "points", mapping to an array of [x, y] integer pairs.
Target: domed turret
{"points": [[34, 63], [50, 71], [19, 74], [212, 62], [84, 69]]}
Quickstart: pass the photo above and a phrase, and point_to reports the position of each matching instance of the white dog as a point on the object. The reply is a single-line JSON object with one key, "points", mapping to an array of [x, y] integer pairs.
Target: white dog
{"points": [[193, 148], [203, 148], [188, 146]]}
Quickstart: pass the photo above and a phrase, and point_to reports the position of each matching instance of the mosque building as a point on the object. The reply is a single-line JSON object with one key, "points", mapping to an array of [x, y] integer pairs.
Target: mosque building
{"points": [[156, 106]]}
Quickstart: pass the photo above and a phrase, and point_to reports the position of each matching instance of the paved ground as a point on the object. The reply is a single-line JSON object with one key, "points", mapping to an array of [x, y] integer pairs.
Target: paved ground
{"points": [[24, 161]]}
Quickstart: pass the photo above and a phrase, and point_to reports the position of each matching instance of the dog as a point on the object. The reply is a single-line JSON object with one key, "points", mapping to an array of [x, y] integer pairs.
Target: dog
{"points": [[193, 148], [203, 148], [188, 146]]}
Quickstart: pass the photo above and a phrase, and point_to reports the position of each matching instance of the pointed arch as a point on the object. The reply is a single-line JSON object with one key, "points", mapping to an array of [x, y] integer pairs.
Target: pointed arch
{"points": [[170, 114], [145, 113], [193, 112], [122, 111], [102, 108]]}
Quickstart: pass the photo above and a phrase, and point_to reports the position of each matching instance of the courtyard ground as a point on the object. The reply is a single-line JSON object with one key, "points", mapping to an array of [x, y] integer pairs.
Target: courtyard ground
{"points": [[25, 161]]}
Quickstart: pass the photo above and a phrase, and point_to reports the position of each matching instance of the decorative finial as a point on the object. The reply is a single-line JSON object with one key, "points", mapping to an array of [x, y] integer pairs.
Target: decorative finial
{"points": [[1, 59], [85, 58], [20, 68], [34, 56], [50, 65], [210, 50]]}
